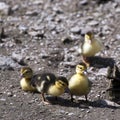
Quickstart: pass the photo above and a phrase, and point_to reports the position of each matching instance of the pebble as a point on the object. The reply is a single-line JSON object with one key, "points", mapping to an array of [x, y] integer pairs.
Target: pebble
{"points": [[7, 63], [4, 8], [2, 99], [15, 7], [118, 37], [22, 28], [108, 103], [102, 71], [83, 2], [37, 2], [93, 23], [76, 30], [18, 58], [9, 94], [86, 29], [117, 10], [31, 13], [70, 114]]}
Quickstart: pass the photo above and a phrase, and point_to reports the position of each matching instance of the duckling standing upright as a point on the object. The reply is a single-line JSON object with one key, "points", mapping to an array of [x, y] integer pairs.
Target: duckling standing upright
{"points": [[79, 84], [26, 74], [90, 47], [50, 84]]}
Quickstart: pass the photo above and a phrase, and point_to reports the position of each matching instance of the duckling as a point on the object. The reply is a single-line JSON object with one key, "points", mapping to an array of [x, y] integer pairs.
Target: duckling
{"points": [[79, 84], [90, 47], [50, 84], [26, 74]]}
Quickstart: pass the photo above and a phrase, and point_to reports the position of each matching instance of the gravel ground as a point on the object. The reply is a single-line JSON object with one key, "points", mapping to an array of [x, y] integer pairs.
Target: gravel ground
{"points": [[46, 35]]}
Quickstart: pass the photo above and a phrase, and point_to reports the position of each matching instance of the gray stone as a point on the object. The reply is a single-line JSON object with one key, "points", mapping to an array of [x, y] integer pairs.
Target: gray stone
{"points": [[118, 36], [76, 30], [18, 58], [4, 8], [83, 2], [102, 71], [7, 63], [93, 23], [31, 13]]}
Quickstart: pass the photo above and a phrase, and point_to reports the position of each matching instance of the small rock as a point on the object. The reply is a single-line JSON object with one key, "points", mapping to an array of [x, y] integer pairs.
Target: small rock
{"points": [[31, 13], [23, 29], [76, 30], [88, 111], [117, 10], [103, 71], [70, 114], [118, 37], [2, 99], [44, 55], [37, 2], [5, 9], [83, 2], [71, 64], [82, 110], [15, 7], [18, 58], [9, 94], [108, 103], [93, 23], [57, 10], [86, 29], [7, 63], [36, 33]]}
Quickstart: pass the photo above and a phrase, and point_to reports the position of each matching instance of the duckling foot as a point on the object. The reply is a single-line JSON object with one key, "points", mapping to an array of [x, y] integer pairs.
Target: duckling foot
{"points": [[46, 102]]}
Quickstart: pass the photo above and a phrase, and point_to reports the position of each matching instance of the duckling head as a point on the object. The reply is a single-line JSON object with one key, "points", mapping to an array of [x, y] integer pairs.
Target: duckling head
{"points": [[26, 72], [61, 82], [89, 37], [81, 68]]}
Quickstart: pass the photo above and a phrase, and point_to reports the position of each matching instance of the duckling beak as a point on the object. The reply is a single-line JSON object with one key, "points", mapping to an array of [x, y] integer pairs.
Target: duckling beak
{"points": [[85, 72], [21, 75]]}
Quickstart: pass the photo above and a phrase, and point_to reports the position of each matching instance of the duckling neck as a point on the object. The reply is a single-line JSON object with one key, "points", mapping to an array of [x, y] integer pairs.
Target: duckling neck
{"points": [[82, 74], [27, 79]]}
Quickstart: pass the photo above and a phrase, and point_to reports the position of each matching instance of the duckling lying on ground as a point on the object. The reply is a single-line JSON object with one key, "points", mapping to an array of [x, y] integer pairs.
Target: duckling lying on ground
{"points": [[90, 47], [50, 84], [26, 74], [79, 84]]}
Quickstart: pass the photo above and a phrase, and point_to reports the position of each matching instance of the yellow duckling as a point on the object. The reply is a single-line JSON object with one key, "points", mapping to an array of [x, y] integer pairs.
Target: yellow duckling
{"points": [[90, 47], [26, 74], [79, 83], [50, 84]]}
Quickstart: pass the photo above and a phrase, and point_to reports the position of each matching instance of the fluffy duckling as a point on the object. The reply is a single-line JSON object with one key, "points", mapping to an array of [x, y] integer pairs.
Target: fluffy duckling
{"points": [[90, 47], [79, 83], [50, 84], [26, 74]]}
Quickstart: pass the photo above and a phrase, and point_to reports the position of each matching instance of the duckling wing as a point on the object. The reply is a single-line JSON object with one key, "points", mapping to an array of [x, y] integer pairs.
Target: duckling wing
{"points": [[43, 81]]}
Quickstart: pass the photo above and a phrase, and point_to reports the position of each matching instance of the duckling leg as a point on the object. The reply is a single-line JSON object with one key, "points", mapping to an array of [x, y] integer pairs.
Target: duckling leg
{"points": [[72, 98], [85, 60], [56, 98], [44, 100], [86, 98]]}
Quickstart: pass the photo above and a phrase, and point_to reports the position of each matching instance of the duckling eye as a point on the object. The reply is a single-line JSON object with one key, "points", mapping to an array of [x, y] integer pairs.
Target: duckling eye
{"points": [[27, 72], [80, 68], [63, 84]]}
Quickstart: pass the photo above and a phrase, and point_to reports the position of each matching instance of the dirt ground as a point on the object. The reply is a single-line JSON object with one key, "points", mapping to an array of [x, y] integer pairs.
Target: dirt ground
{"points": [[46, 35]]}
